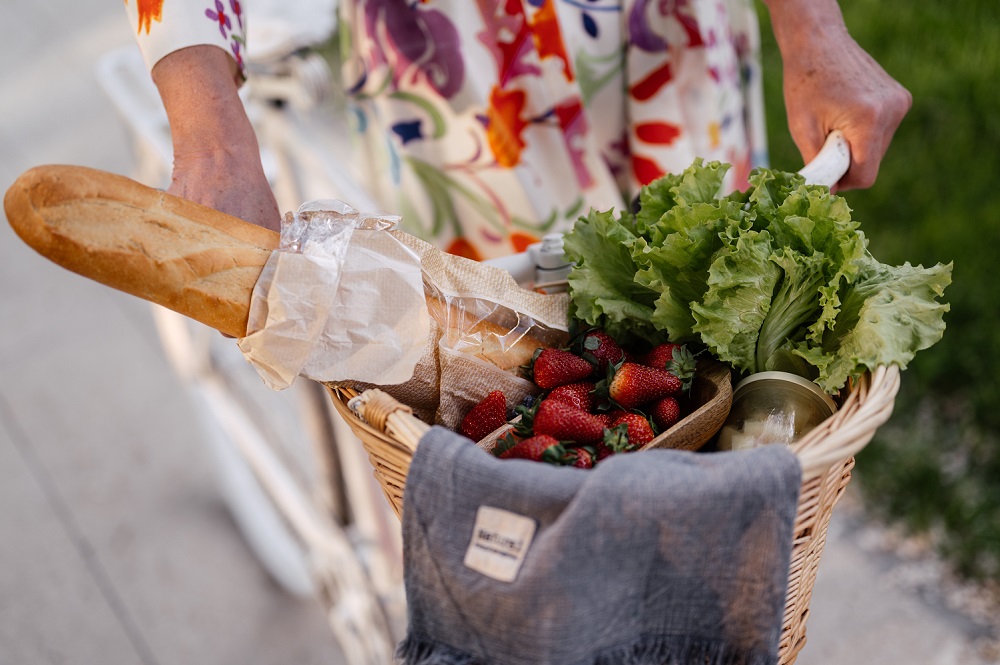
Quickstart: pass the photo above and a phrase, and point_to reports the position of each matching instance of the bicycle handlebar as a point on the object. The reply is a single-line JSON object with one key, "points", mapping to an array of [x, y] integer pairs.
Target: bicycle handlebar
{"points": [[830, 163]]}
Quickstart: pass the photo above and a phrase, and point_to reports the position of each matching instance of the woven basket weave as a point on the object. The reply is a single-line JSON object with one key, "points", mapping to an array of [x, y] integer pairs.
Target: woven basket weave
{"points": [[390, 435]]}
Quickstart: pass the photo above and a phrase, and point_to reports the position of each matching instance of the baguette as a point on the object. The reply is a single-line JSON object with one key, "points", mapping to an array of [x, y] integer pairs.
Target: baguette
{"points": [[162, 248], [184, 256]]}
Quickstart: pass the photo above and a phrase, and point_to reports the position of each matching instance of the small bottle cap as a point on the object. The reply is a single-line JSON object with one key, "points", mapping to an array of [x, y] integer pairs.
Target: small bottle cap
{"points": [[550, 255]]}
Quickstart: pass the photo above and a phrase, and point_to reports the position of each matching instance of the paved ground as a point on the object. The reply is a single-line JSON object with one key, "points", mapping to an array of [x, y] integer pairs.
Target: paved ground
{"points": [[114, 545]]}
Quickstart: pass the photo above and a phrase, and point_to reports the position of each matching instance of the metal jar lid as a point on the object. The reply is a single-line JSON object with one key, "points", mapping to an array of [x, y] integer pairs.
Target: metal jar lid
{"points": [[787, 377], [773, 407]]}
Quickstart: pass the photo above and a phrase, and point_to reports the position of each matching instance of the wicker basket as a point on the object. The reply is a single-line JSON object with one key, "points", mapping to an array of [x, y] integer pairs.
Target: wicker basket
{"points": [[390, 434]]}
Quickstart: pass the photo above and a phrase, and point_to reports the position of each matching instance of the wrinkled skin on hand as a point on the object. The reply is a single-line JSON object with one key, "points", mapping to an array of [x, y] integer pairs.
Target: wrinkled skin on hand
{"points": [[228, 182], [216, 155], [831, 83], [853, 94]]}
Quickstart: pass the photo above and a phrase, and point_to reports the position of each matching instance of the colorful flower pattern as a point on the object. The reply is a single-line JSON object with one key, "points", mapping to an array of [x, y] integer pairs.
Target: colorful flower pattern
{"points": [[164, 26], [148, 11], [487, 123], [235, 37], [220, 17]]}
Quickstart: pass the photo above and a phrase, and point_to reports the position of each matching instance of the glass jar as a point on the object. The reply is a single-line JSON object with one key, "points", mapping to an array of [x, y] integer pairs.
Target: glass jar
{"points": [[773, 407]]}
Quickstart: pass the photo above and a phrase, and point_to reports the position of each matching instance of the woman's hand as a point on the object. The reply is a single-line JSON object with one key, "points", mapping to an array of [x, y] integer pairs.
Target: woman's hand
{"points": [[832, 83], [229, 180], [216, 155]]}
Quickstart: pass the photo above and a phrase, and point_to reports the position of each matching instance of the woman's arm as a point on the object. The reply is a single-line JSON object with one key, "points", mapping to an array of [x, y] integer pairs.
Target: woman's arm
{"points": [[216, 156], [832, 83]]}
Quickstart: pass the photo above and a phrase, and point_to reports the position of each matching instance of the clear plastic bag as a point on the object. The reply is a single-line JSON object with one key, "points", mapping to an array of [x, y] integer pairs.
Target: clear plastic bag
{"points": [[340, 299], [351, 300]]}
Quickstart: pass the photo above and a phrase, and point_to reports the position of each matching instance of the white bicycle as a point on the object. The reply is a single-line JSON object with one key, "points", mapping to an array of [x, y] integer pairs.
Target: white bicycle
{"points": [[294, 478], [291, 472]]}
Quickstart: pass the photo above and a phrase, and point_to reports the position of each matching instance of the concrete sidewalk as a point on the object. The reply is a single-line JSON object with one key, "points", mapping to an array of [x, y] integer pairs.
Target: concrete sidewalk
{"points": [[115, 546]]}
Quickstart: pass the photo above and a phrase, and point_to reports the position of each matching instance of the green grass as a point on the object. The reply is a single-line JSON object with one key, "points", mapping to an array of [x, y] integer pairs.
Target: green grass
{"points": [[936, 466]]}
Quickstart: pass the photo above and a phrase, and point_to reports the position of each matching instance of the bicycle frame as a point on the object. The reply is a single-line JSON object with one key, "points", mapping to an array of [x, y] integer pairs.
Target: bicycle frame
{"points": [[332, 535]]}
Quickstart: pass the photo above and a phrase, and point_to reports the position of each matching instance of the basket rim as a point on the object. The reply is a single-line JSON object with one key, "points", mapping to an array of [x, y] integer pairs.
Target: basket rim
{"points": [[867, 407]]}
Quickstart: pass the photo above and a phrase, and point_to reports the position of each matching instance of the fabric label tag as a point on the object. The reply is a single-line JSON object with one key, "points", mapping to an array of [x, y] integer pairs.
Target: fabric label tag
{"points": [[500, 541]]}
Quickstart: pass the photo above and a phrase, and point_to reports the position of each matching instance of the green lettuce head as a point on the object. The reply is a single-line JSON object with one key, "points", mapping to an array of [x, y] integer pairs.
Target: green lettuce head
{"points": [[776, 277]]}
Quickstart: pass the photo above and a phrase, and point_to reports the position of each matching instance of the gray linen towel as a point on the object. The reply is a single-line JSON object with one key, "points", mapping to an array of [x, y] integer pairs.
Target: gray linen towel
{"points": [[655, 557]]}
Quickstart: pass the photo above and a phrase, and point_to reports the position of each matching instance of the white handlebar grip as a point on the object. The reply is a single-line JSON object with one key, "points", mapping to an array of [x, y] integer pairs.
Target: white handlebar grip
{"points": [[830, 163]]}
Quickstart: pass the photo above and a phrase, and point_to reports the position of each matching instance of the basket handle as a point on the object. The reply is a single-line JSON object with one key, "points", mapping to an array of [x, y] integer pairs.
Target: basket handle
{"points": [[389, 416]]}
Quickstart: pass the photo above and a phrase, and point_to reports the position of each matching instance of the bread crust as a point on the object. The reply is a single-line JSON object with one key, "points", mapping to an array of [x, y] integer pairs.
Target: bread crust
{"points": [[162, 248], [173, 252]]}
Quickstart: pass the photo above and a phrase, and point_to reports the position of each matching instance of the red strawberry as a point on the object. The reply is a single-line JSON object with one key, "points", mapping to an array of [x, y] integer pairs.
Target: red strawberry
{"points": [[660, 355], [615, 441], [538, 448], [666, 412], [640, 432], [600, 349], [605, 417], [603, 451], [551, 368], [676, 359], [484, 417], [683, 366], [614, 414], [566, 423], [575, 394], [581, 458], [504, 443], [634, 385]]}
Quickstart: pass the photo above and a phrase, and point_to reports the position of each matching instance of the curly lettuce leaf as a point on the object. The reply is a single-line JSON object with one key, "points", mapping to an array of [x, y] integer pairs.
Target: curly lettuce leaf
{"points": [[606, 293], [768, 190], [699, 183], [799, 300], [777, 277], [814, 223], [888, 314], [677, 266], [741, 285]]}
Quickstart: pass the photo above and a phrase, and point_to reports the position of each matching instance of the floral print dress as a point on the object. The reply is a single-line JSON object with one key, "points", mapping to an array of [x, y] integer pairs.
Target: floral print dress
{"points": [[487, 123]]}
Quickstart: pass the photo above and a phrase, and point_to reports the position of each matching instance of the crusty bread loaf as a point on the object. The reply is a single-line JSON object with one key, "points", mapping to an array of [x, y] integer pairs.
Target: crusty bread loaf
{"points": [[501, 343], [184, 256], [167, 250]]}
